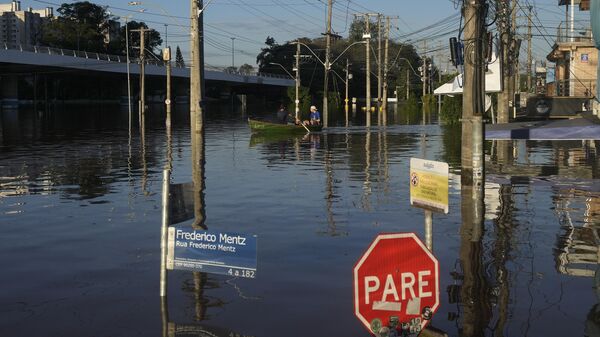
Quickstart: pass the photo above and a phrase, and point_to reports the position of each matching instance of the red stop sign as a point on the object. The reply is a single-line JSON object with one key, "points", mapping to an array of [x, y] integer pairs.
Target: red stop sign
{"points": [[396, 283]]}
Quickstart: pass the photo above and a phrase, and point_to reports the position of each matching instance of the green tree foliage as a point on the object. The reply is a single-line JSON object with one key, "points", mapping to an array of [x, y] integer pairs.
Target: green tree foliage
{"points": [[451, 111], [83, 26], [358, 27], [246, 69], [179, 62], [80, 26], [402, 57], [153, 39], [305, 99]]}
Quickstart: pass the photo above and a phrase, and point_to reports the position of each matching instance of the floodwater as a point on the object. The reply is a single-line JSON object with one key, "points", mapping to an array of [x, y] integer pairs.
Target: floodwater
{"points": [[80, 215]]}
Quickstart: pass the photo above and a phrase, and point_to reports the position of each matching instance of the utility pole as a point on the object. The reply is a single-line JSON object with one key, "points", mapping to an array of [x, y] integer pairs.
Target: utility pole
{"points": [[379, 76], [515, 56], [505, 42], [424, 73], [142, 100], [347, 84], [424, 77], [327, 65], [233, 52], [197, 67], [473, 90], [166, 35], [297, 101], [167, 59], [407, 84], [385, 70], [368, 61], [128, 73], [529, 50]]}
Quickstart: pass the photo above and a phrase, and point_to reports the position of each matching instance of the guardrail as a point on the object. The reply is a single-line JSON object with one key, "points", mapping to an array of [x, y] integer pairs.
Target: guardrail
{"points": [[579, 34], [122, 59]]}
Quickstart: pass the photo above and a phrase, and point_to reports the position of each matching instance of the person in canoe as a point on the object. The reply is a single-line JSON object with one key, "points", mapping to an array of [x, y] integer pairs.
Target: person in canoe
{"points": [[282, 115], [315, 117]]}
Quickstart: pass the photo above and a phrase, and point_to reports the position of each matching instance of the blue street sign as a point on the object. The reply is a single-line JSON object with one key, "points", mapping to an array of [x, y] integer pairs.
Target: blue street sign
{"points": [[211, 252]]}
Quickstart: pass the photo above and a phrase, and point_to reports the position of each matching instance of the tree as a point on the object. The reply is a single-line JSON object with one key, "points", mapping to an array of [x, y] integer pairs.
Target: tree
{"points": [[80, 26], [246, 69], [266, 54], [179, 62], [358, 28], [153, 38]]}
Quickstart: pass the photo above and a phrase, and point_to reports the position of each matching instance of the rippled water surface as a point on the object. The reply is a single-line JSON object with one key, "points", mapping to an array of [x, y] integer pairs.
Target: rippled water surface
{"points": [[80, 214]]}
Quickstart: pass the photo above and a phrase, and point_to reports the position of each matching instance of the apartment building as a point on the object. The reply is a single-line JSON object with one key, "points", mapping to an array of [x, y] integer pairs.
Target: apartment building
{"points": [[21, 27]]}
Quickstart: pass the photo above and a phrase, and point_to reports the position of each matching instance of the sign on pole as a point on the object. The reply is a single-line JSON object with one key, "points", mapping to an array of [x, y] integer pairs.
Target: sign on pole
{"points": [[396, 284], [212, 252], [429, 184]]}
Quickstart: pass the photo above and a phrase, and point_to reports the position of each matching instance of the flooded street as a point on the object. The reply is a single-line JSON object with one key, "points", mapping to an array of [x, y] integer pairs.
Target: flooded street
{"points": [[80, 216]]}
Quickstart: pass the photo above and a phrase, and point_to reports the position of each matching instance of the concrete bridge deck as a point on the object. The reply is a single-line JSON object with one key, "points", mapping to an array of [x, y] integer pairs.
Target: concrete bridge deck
{"points": [[86, 61]]}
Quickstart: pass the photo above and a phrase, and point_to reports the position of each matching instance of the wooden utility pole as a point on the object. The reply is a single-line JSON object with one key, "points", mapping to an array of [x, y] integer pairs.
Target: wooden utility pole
{"points": [[327, 65], [424, 72], [385, 70], [473, 89], [142, 100], [197, 114], [505, 57], [513, 86], [297, 101], [368, 75], [529, 59], [197, 67], [379, 76]]}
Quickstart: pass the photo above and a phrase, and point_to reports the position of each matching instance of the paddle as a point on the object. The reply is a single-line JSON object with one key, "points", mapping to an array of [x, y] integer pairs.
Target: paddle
{"points": [[307, 130]]}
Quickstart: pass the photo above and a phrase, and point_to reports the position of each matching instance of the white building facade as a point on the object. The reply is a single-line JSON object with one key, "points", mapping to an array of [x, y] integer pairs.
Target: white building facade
{"points": [[21, 27]]}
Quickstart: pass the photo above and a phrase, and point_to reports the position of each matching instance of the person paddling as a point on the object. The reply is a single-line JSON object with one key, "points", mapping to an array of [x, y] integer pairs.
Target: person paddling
{"points": [[315, 116]]}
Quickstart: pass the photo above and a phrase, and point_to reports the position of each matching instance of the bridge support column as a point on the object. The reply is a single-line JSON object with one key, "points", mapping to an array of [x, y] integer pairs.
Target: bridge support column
{"points": [[9, 92], [244, 100]]}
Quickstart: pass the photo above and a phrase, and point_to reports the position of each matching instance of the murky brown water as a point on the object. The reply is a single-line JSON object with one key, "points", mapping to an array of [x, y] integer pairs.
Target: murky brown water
{"points": [[80, 207]]}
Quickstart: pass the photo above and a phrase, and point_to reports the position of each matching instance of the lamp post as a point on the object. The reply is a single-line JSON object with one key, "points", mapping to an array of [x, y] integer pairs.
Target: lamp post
{"points": [[296, 78], [151, 4], [329, 63]]}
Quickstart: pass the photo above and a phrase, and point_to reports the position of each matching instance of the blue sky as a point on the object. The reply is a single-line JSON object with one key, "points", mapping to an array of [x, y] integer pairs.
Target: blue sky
{"points": [[251, 21]]}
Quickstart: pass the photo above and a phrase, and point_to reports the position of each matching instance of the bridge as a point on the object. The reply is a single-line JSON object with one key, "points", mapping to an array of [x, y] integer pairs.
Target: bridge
{"points": [[17, 61]]}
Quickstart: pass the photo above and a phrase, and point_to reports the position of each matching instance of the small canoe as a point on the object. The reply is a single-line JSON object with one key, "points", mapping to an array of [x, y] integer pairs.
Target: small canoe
{"points": [[270, 127]]}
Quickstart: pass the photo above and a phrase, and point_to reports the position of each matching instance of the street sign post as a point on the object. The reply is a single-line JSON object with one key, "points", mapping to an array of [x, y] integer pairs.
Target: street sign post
{"points": [[211, 252], [396, 284], [429, 184]]}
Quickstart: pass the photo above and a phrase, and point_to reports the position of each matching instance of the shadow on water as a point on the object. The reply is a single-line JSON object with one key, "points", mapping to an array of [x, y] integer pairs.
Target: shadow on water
{"points": [[80, 197]]}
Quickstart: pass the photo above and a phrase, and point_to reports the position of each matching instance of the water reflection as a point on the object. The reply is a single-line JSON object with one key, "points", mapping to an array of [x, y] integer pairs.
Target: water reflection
{"points": [[526, 257]]}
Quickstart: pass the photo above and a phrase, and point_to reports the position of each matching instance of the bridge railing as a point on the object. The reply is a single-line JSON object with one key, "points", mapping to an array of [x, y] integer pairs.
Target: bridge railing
{"points": [[120, 58]]}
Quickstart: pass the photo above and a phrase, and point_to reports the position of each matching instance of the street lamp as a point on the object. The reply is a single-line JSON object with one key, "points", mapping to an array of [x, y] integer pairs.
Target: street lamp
{"points": [[296, 79], [282, 67], [142, 10]]}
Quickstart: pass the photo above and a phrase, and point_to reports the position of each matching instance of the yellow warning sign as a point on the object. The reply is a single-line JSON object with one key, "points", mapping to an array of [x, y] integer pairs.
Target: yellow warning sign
{"points": [[429, 184]]}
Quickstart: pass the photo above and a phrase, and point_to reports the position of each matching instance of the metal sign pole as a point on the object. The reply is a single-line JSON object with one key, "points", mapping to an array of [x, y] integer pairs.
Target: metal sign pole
{"points": [[429, 230], [163, 233]]}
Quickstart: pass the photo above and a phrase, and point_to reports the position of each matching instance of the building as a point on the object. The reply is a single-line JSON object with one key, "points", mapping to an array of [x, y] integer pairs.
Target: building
{"points": [[19, 27], [575, 56], [540, 80]]}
